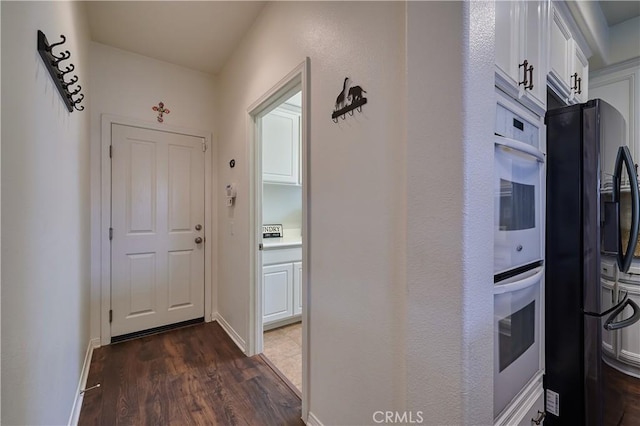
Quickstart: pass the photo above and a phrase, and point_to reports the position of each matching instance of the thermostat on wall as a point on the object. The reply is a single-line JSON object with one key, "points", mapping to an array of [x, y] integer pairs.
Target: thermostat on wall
{"points": [[271, 231]]}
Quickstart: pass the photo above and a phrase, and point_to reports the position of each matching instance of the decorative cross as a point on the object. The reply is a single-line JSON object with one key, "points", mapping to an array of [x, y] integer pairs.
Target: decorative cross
{"points": [[161, 110]]}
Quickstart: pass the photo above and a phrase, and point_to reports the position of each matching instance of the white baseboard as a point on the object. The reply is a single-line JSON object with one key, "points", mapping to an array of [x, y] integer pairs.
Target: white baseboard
{"points": [[312, 420], [239, 341], [77, 403]]}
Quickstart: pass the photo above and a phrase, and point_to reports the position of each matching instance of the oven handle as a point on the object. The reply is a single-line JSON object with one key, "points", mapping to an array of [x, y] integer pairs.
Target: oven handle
{"points": [[518, 285], [520, 146]]}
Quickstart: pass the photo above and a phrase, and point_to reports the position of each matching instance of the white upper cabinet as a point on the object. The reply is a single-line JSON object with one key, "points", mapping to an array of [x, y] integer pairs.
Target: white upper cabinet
{"points": [[560, 43], [281, 146], [521, 51], [568, 65], [534, 50], [580, 76]]}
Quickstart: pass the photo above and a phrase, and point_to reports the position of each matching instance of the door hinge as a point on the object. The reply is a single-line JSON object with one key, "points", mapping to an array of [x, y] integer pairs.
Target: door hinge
{"points": [[110, 151], [110, 315], [110, 234], [204, 146], [260, 246]]}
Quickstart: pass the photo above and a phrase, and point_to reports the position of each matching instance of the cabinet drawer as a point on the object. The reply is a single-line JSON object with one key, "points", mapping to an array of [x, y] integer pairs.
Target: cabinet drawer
{"points": [[535, 415], [283, 255]]}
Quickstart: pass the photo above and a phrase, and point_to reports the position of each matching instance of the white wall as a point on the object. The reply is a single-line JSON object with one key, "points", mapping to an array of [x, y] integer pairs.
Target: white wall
{"points": [[625, 40], [45, 217], [356, 233], [449, 161], [129, 85], [282, 204], [619, 85]]}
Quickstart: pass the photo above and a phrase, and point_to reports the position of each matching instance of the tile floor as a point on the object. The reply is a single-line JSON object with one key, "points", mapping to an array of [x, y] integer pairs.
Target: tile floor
{"points": [[283, 347]]}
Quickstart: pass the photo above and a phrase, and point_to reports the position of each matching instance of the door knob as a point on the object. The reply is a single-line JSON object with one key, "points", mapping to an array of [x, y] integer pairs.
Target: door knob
{"points": [[198, 227], [198, 240]]}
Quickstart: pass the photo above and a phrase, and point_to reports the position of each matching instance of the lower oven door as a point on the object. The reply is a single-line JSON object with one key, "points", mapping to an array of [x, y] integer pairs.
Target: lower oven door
{"points": [[517, 204], [516, 329]]}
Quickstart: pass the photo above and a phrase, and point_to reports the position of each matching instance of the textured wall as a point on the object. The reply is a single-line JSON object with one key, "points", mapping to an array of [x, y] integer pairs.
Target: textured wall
{"points": [[450, 211], [45, 217], [356, 187]]}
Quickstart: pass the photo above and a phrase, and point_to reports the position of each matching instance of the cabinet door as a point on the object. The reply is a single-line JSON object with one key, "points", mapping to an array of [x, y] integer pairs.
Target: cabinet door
{"points": [[281, 146], [608, 337], [560, 53], [580, 68], [277, 292], [630, 336], [297, 288], [507, 30], [533, 48]]}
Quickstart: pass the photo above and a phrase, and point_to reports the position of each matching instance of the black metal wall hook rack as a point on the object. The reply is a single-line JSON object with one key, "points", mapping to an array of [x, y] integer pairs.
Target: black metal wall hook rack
{"points": [[354, 94], [71, 98]]}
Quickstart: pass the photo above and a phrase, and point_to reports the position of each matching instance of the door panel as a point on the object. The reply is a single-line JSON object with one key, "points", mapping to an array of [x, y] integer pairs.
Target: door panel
{"points": [[141, 192], [157, 201], [277, 300], [142, 296], [179, 278]]}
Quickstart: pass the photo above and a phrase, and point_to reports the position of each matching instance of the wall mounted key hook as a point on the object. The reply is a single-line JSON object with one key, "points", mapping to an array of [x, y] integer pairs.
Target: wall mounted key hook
{"points": [[349, 99], [51, 46], [51, 63], [75, 92], [67, 70], [63, 56], [73, 80]]}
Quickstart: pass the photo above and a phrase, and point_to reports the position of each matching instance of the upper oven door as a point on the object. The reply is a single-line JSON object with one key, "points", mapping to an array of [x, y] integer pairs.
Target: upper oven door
{"points": [[517, 204]]}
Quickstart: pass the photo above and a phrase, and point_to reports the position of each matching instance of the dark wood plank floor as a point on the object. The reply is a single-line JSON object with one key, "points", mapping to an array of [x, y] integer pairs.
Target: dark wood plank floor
{"points": [[624, 393], [191, 376]]}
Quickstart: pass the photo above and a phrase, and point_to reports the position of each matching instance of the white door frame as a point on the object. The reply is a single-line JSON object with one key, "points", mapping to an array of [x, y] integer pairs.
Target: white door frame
{"points": [[210, 247], [299, 76]]}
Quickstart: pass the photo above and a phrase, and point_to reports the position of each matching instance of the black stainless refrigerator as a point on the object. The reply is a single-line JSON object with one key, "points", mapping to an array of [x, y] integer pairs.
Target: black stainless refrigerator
{"points": [[593, 210]]}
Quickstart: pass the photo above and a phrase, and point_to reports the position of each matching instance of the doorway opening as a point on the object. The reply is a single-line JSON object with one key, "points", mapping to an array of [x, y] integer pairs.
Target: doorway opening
{"points": [[279, 274], [279, 133]]}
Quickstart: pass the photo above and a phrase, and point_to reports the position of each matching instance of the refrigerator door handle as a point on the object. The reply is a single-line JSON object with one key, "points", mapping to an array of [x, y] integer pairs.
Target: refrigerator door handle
{"points": [[635, 316], [624, 157]]}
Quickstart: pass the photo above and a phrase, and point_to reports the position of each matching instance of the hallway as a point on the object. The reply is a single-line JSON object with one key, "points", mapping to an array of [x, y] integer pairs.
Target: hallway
{"points": [[190, 376]]}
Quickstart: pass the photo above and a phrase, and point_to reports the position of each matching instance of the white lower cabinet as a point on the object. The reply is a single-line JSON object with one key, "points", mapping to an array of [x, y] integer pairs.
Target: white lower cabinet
{"points": [[281, 287], [630, 336], [277, 294], [527, 409], [536, 413]]}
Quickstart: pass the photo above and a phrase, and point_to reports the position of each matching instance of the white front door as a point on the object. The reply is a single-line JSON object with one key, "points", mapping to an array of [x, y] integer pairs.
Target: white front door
{"points": [[157, 216]]}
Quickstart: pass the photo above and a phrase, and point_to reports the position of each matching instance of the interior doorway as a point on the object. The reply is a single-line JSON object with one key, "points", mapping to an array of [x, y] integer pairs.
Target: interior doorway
{"points": [[279, 230], [279, 133]]}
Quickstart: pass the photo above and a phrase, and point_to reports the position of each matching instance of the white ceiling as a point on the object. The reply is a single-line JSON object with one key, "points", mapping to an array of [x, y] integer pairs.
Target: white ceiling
{"points": [[200, 35], [616, 12]]}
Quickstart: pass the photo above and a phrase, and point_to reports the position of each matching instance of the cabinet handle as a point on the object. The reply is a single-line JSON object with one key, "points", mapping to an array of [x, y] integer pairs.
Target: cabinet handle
{"points": [[530, 86], [579, 85], [525, 66], [575, 81], [541, 416]]}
